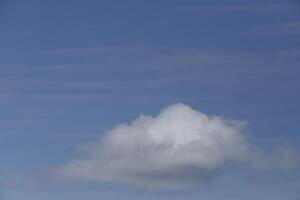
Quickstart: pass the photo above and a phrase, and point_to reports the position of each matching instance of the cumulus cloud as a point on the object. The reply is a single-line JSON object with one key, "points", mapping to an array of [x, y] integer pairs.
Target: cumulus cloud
{"points": [[176, 149]]}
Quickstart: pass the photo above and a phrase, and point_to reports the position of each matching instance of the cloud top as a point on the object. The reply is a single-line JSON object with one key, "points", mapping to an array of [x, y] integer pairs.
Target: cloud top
{"points": [[175, 149]]}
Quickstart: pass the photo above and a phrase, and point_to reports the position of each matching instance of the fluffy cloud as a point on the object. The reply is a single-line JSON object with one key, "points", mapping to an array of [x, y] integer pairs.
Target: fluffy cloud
{"points": [[175, 149]]}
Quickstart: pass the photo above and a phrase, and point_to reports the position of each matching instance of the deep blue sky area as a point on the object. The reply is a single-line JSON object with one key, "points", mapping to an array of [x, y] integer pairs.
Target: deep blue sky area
{"points": [[69, 70]]}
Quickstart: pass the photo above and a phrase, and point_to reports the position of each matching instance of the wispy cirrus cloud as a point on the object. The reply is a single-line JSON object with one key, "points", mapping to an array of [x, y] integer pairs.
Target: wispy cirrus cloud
{"points": [[166, 70], [240, 8], [289, 28]]}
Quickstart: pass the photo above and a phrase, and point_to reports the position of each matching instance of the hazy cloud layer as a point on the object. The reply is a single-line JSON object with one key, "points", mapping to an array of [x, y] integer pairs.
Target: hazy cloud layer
{"points": [[241, 8], [175, 149]]}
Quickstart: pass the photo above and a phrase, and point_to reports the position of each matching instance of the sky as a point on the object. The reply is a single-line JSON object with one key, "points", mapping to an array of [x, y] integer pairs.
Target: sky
{"points": [[160, 99]]}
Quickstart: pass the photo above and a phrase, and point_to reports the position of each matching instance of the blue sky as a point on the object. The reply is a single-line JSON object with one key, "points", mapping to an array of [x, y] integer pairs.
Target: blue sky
{"points": [[69, 71]]}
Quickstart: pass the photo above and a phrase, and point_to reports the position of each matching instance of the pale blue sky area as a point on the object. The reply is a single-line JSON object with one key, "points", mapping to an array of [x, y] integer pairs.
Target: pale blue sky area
{"points": [[71, 69]]}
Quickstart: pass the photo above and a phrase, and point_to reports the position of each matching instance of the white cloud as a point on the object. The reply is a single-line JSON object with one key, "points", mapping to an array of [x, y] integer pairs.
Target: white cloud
{"points": [[176, 149]]}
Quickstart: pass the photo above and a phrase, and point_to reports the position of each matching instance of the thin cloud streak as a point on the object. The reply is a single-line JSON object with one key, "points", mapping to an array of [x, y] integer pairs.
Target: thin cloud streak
{"points": [[169, 59], [235, 8]]}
